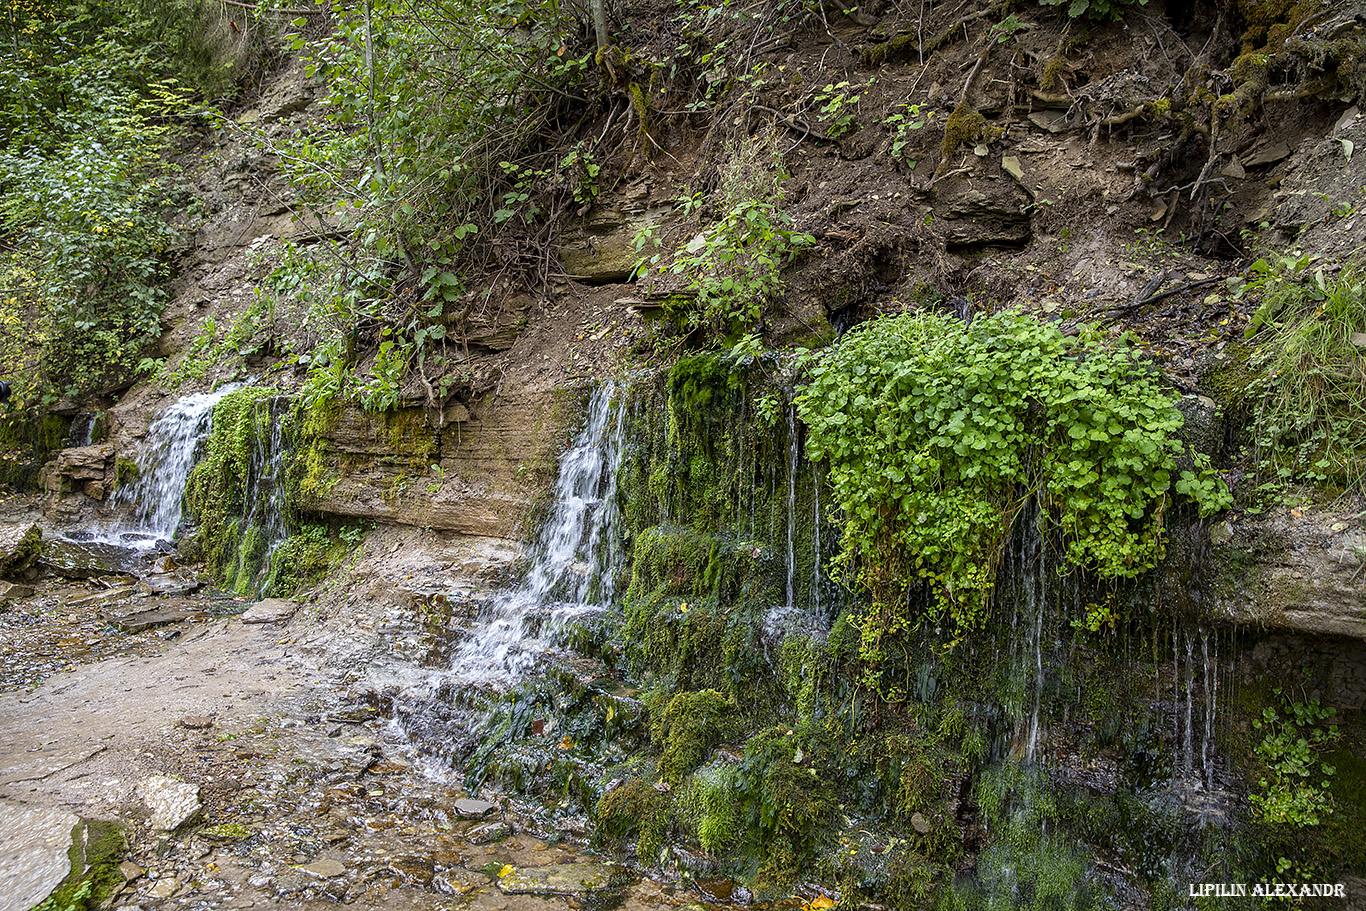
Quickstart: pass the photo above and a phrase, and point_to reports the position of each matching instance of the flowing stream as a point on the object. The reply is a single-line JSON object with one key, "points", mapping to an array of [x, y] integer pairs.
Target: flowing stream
{"points": [[164, 463]]}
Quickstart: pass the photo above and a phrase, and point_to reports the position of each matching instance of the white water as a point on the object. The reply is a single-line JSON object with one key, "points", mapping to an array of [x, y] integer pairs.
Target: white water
{"points": [[164, 463], [791, 506], [575, 562]]}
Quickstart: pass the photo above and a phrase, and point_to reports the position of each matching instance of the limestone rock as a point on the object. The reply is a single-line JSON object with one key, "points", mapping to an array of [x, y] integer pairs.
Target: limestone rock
{"points": [[83, 559], [561, 879], [33, 853], [20, 545], [489, 832], [150, 619], [604, 250], [1300, 569], [269, 610], [171, 802], [13, 591], [992, 213], [324, 869], [170, 584], [473, 808]]}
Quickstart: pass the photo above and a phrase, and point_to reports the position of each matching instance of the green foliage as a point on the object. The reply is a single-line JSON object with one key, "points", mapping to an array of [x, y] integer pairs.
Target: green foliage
{"points": [[902, 123], [1296, 790], [636, 809], [1310, 420], [838, 106], [431, 158], [1097, 10], [733, 267], [91, 95], [937, 433]]}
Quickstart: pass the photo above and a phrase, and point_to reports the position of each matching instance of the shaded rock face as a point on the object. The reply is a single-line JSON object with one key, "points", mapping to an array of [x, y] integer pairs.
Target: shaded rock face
{"points": [[602, 251], [489, 466], [89, 469], [1296, 569]]}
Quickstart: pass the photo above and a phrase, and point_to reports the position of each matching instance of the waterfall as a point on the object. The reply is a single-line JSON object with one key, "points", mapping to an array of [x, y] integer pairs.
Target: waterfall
{"points": [[791, 505], [574, 563], [264, 497], [172, 445]]}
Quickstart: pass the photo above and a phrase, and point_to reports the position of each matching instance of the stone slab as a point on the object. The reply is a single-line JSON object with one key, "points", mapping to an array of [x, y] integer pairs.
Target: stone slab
{"points": [[33, 853]]}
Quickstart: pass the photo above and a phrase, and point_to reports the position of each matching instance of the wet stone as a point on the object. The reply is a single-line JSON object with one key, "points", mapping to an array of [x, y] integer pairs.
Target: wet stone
{"points": [[33, 851], [489, 831], [169, 584], [324, 869], [414, 868], [289, 883], [474, 808], [196, 722], [149, 619], [561, 879]]}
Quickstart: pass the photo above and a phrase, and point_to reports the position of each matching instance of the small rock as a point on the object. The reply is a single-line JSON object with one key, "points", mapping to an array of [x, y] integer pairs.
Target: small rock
{"points": [[289, 883], [474, 808], [19, 547], [1220, 533], [920, 824], [560, 879], [131, 871], [1234, 169], [414, 868], [169, 584], [12, 591], [324, 869], [172, 802], [271, 610], [165, 888], [489, 831], [1359, 339], [196, 722], [1011, 165]]}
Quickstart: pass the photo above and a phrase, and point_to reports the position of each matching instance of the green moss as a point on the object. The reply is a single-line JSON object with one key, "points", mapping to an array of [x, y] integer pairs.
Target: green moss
{"points": [[635, 810], [96, 850], [691, 725], [964, 125]]}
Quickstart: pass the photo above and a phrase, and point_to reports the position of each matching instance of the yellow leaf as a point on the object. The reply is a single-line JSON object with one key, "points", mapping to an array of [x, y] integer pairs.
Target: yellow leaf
{"points": [[507, 868], [819, 903]]}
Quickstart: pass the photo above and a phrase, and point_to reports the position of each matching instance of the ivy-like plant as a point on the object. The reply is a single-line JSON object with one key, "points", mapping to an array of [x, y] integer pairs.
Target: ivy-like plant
{"points": [[937, 433]]}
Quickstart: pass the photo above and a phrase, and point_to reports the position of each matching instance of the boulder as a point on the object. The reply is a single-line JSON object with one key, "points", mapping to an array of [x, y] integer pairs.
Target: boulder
{"points": [[20, 545], [34, 853], [170, 801], [603, 250]]}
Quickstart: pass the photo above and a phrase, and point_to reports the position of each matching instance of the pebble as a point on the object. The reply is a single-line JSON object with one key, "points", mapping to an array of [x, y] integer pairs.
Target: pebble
{"points": [[324, 869]]}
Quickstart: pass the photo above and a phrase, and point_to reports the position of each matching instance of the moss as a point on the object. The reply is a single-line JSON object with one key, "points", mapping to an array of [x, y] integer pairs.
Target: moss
{"points": [[964, 125], [691, 725], [96, 850], [635, 809], [901, 47], [218, 488]]}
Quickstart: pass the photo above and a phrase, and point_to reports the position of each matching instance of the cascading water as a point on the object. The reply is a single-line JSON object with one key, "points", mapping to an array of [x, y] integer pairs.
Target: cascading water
{"points": [[164, 464], [575, 561], [792, 454], [264, 521]]}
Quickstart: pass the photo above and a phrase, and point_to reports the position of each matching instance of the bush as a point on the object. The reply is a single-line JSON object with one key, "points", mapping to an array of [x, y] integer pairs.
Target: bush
{"points": [[938, 433]]}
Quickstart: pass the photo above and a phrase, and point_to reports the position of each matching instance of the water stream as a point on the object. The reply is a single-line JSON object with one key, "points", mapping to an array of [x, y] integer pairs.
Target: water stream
{"points": [[164, 463], [574, 564]]}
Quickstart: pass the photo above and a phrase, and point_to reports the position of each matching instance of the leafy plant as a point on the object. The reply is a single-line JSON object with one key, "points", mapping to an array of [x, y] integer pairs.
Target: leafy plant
{"points": [[838, 106], [1295, 789], [938, 432], [1098, 10], [902, 123], [733, 266]]}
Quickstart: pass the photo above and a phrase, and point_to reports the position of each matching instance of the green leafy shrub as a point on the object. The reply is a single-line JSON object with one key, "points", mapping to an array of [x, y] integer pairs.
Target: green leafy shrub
{"points": [[1295, 790], [1098, 10], [938, 433], [733, 267]]}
